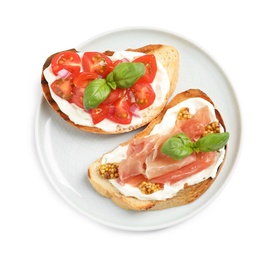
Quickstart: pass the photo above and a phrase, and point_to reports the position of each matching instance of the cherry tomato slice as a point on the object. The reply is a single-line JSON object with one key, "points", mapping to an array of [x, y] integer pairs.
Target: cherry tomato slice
{"points": [[68, 60], [114, 95], [144, 94], [62, 88], [120, 112], [77, 96], [99, 114], [84, 78], [96, 62], [149, 61]]}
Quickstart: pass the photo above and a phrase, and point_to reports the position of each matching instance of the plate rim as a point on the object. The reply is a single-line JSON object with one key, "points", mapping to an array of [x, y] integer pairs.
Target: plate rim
{"points": [[187, 216]]}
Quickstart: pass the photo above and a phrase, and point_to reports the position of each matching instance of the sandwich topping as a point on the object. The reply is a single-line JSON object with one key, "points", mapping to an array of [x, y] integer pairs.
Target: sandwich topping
{"points": [[95, 89], [184, 149]]}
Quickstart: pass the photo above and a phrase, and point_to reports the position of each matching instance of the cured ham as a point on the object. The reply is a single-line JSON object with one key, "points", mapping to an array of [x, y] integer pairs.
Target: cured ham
{"points": [[137, 152], [145, 161], [133, 180], [195, 126], [203, 161], [163, 164]]}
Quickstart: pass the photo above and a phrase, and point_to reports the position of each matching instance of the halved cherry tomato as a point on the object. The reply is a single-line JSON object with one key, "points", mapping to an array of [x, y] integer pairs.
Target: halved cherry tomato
{"points": [[120, 112], [149, 61], [96, 62], [144, 94], [114, 95], [84, 78], [100, 113], [77, 96], [68, 60], [62, 88]]}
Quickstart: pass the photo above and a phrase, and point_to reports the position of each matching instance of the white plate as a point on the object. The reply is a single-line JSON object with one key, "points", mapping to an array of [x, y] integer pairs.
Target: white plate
{"points": [[66, 152]]}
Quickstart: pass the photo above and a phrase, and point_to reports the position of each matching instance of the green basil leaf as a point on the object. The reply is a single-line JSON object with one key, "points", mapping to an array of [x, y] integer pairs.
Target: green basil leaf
{"points": [[212, 142], [95, 93], [112, 84], [125, 74], [178, 146]]}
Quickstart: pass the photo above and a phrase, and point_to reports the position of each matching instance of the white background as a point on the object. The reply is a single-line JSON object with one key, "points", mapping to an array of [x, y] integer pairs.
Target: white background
{"points": [[36, 223]]}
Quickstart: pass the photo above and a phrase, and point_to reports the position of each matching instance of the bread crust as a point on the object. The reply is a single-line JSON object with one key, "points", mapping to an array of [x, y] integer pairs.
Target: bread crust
{"points": [[167, 55], [184, 196]]}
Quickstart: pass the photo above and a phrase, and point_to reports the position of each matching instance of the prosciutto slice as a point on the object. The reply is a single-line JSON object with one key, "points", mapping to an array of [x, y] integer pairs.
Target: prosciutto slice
{"points": [[203, 161], [146, 161], [158, 163], [195, 126], [137, 153]]}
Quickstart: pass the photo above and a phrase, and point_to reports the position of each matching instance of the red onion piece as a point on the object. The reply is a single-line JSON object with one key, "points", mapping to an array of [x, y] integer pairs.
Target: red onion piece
{"points": [[124, 60], [134, 109], [63, 73]]}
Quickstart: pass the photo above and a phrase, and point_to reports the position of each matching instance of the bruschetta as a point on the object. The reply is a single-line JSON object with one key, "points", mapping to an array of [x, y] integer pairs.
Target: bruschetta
{"points": [[110, 92], [172, 162]]}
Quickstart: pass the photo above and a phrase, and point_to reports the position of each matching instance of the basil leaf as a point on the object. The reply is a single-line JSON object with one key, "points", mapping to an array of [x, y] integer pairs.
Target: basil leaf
{"points": [[178, 146], [125, 74], [95, 93], [212, 142], [112, 84]]}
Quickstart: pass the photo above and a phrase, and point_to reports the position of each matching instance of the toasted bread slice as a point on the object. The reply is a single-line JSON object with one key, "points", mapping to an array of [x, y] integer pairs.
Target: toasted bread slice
{"points": [[167, 55], [184, 196]]}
